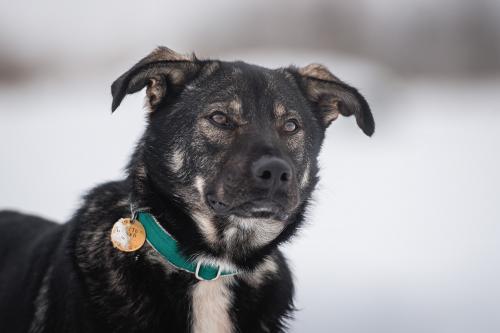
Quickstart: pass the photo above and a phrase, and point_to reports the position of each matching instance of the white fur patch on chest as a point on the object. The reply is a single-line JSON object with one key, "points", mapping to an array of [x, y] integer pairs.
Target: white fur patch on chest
{"points": [[211, 301]]}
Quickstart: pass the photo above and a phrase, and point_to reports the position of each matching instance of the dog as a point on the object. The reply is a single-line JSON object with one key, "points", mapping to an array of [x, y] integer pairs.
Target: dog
{"points": [[189, 240]]}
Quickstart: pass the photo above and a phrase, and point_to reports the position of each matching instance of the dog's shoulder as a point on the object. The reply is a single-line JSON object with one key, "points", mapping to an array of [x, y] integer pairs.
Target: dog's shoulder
{"points": [[83, 251], [105, 195], [104, 204]]}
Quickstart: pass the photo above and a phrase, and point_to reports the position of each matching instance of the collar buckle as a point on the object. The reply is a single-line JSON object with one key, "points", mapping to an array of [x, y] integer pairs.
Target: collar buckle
{"points": [[197, 271]]}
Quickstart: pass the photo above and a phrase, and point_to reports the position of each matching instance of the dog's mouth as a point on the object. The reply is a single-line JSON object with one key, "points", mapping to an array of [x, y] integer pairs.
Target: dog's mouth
{"points": [[257, 208]]}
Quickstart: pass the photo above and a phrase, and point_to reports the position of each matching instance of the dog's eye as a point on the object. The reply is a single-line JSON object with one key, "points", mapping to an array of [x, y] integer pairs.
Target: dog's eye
{"points": [[291, 126], [221, 120]]}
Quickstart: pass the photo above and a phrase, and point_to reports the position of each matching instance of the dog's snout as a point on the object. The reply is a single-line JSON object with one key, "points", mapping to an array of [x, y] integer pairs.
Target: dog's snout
{"points": [[271, 172]]}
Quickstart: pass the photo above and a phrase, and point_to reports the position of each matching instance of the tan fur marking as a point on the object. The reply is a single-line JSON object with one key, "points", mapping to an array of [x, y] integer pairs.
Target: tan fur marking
{"points": [[206, 227], [331, 107], [331, 116], [155, 91], [210, 68], [141, 172], [164, 53], [235, 107], [210, 306], [199, 183], [266, 269], [176, 76], [316, 90], [317, 71], [177, 160], [203, 221], [305, 177], [279, 110]]}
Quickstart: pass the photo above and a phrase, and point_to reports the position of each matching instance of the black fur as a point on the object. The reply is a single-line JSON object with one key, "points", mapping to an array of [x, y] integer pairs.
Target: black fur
{"points": [[69, 277]]}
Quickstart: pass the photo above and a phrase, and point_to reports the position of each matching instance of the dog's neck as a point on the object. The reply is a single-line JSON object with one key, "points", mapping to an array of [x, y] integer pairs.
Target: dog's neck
{"points": [[170, 212], [124, 283]]}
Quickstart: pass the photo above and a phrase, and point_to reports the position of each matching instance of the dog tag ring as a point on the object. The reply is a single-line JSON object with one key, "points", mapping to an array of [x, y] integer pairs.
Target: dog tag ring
{"points": [[128, 235]]}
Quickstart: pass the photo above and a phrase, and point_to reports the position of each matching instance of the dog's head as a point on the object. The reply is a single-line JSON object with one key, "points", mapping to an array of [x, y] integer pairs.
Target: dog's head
{"points": [[236, 144]]}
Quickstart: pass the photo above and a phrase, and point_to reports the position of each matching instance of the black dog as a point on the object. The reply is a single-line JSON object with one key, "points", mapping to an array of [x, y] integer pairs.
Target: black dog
{"points": [[220, 178]]}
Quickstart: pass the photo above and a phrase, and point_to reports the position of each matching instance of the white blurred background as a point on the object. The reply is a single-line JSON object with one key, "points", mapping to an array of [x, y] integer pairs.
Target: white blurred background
{"points": [[404, 234]]}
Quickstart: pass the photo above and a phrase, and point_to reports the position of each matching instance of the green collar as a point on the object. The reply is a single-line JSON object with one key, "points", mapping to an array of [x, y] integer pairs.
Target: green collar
{"points": [[167, 246]]}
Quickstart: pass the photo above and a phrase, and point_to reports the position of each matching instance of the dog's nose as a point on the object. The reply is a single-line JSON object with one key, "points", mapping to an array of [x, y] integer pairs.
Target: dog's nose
{"points": [[271, 172]]}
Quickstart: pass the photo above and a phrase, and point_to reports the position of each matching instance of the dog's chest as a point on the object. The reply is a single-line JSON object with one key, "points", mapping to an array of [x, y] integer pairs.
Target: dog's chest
{"points": [[210, 304]]}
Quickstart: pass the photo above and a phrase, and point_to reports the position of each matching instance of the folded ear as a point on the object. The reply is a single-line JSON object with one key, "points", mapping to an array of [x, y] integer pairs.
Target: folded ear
{"points": [[333, 97], [163, 71]]}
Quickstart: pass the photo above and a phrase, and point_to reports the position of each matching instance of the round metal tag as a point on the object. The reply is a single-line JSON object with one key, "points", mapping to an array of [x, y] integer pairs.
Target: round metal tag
{"points": [[128, 235]]}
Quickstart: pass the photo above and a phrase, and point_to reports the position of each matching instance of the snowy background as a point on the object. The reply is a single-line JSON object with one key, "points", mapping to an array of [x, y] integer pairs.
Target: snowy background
{"points": [[404, 233]]}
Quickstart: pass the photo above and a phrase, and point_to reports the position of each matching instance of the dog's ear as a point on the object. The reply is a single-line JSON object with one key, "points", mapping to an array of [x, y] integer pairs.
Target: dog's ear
{"points": [[163, 71], [332, 97]]}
